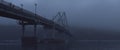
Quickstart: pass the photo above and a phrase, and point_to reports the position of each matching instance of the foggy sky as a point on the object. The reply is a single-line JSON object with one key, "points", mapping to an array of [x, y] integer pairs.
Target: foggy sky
{"points": [[101, 14]]}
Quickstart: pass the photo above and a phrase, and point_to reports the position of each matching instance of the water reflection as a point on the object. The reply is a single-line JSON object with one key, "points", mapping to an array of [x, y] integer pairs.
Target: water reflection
{"points": [[73, 45], [47, 46]]}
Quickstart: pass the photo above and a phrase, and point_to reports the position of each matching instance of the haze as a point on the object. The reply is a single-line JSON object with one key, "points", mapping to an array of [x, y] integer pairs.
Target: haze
{"points": [[99, 14]]}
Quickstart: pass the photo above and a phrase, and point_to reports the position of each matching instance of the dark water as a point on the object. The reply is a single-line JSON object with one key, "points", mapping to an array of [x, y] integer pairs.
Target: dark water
{"points": [[73, 45]]}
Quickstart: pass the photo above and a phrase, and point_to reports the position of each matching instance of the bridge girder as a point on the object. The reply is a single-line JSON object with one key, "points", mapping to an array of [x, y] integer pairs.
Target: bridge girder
{"points": [[9, 10]]}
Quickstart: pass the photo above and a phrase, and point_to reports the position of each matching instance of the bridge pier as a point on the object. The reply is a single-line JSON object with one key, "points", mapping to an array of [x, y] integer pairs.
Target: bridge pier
{"points": [[35, 30], [12, 11], [23, 30], [29, 43]]}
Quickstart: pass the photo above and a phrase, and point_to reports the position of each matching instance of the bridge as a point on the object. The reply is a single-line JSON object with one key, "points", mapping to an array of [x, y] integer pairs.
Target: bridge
{"points": [[26, 17]]}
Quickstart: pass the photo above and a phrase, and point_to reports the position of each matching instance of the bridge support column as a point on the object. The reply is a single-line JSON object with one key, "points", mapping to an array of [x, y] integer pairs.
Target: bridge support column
{"points": [[35, 36], [29, 43], [23, 30], [35, 30]]}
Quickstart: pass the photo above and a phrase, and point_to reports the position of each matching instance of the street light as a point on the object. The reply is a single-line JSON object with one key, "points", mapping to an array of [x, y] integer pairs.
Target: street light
{"points": [[35, 26], [35, 7], [21, 6]]}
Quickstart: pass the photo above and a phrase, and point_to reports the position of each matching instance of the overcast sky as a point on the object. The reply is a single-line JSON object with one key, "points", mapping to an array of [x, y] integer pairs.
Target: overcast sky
{"points": [[101, 14]]}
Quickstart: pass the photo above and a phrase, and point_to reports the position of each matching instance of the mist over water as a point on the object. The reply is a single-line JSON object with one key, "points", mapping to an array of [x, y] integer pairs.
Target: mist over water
{"points": [[97, 14], [85, 40], [94, 24]]}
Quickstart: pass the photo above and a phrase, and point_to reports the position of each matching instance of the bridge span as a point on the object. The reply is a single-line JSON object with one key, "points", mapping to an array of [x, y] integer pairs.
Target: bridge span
{"points": [[26, 17]]}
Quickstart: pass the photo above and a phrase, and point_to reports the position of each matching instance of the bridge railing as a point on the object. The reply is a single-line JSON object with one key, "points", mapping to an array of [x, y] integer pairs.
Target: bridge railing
{"points": [[4, 2], [26, 12], [15, 7], [23, 10], [36, 17], [19, 10]]}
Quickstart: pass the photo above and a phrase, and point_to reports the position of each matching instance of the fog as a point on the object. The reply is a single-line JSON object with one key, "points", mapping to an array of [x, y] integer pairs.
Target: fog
{"points": [[100, 14]]}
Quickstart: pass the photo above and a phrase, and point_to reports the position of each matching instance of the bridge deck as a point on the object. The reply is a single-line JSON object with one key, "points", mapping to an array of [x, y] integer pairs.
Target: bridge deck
{"points": [[12, 11]]}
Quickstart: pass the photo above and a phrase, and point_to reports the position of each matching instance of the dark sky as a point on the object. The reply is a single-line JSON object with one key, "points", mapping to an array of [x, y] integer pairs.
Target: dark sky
{"points": [[101, 14]]}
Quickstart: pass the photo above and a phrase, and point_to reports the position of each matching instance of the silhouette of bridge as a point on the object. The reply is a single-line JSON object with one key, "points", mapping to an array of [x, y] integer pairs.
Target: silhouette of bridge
{"points": [[27, 18]]}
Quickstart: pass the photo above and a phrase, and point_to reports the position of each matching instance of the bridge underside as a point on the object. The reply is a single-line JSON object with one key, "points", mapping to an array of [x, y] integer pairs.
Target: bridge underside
{"points": [[26, 21], [9, 15], [28, 18]]}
